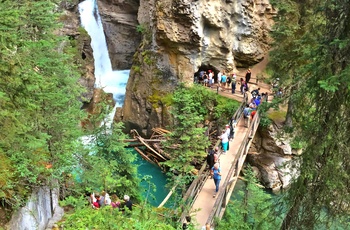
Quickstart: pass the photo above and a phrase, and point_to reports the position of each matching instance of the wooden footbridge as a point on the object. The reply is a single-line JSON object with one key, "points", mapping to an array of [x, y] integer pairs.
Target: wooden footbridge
{"points": [[198, 200]]}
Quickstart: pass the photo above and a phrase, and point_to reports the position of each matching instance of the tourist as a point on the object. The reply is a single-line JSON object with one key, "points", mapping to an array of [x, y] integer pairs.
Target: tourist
{"points": [[248, 75], [186, 223], [255, 93], [223, 80], [216, 154], [205, 79], [252, 105], [246, 115], [243, 86], [232, 129], [224, 141], [219, 78], [96, 204], [116, 202], [92, 200], [266, 96], [252, 114], [257, 101], [216, 173], [128, 202], [233, 83], [228, 133], [100, 200], [275, 85], [228, 81], [107, 199], [279, 93], [211, 78], [210, 158]]}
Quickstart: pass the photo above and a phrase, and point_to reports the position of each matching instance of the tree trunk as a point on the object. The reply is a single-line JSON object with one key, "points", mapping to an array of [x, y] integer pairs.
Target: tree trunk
{"points": [[289, 117]]}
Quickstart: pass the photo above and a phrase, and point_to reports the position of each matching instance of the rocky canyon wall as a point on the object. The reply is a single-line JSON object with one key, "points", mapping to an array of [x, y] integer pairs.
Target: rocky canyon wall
{"points": [[40, 212], [179, 37], [81, 41], [119, 19], [273, 159]]}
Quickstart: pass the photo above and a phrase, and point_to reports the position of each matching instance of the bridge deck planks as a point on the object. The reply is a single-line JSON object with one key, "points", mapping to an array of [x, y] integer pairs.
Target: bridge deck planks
{"points": [[205, 201]]}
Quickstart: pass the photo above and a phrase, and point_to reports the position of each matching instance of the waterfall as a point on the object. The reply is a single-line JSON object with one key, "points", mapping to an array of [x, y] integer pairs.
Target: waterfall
{"points": [[110, 81]]}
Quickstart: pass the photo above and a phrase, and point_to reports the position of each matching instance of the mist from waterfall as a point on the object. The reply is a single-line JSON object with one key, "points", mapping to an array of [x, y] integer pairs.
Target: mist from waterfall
{"points": [[110, 81]]}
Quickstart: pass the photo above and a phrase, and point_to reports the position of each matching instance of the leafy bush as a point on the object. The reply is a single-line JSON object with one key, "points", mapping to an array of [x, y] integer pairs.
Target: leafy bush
{"points": [[141, 218]]}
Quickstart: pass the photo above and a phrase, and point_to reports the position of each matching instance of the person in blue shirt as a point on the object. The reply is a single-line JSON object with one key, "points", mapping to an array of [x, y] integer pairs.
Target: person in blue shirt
{"points": [[216, 173], [257, 101], [246, 114]]}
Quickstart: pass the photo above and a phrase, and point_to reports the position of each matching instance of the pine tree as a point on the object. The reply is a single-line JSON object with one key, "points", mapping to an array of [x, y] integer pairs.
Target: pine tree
{"points": [[39, 94], [320, 196], [251, 209]]}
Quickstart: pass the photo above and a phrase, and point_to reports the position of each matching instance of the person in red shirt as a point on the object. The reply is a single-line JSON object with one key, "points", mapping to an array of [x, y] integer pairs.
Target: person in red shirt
{"points": [[253, 113]]}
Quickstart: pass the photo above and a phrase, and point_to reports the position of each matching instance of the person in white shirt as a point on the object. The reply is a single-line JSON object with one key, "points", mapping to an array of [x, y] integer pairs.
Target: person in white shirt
{"points": [[224, 141], [219, 78], [211, 75]]}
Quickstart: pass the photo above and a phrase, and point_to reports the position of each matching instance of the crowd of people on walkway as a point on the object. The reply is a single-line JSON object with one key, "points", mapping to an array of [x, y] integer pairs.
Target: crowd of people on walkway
{"points": [[223, 80], [228, 134], [213, 155], [99, 200]]}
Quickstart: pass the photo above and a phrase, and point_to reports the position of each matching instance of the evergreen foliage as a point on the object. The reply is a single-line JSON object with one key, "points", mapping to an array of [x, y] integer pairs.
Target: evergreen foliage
{"points": [[141, 218], [39, 106], [311, 56], [108, 165], [190, 108], [251, 209]]}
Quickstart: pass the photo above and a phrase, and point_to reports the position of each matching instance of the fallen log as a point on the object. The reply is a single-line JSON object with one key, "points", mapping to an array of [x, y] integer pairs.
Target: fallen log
{"points": [[155, 157], [143, 155], [150, 148], [168, 196], [134, 145]]}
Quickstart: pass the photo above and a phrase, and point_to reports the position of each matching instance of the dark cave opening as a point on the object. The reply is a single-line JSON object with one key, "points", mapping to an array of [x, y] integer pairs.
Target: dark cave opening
{"points": [[205, 69]]}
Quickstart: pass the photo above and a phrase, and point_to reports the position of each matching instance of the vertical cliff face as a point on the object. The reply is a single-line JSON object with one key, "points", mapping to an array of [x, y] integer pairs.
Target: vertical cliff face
{"points": [[81, 40], [40, 212], [179, 36], [119, 18], [276, 162]]}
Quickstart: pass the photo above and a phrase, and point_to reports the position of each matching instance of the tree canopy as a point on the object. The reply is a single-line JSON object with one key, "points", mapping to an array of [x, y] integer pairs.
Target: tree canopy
{"points": [[310, 55]]}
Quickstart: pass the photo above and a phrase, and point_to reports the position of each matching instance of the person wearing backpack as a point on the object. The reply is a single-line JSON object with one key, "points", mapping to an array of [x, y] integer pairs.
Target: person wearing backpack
{"points": [[210, 158], [228, 81], [255, 93]]}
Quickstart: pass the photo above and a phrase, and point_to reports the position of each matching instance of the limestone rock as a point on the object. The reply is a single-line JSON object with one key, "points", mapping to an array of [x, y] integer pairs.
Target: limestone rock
{"points": [[119, 19], [41, 209], [273, 155], [78, 36], [185, 35]]}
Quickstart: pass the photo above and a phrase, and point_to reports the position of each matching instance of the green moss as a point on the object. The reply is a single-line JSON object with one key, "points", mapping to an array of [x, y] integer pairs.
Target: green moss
{"points": [[82, 31], [155, 98], [148, 57], [136, 68], [167, 100], [277, 115]]}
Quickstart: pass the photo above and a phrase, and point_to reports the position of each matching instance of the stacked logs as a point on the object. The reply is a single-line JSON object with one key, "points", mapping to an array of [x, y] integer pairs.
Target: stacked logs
{"points": [[153, 151]]}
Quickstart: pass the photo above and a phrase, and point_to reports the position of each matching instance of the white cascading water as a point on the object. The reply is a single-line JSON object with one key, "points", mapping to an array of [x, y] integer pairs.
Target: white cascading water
{"points": [[110, 81]]}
